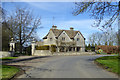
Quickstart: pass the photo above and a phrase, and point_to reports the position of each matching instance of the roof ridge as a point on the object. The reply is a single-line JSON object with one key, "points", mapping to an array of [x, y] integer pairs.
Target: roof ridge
{"points": [[64, 29], [70, 33]]}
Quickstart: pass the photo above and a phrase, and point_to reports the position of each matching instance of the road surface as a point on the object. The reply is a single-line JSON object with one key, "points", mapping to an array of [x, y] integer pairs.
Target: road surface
{"points": [[66, 67]]}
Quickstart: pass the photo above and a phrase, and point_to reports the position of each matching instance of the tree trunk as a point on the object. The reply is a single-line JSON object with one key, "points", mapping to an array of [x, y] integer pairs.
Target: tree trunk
{"points": [[20, 50]]}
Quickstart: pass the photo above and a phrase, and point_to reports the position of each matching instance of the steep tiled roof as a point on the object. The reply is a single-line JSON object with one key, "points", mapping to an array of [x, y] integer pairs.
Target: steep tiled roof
{"points": [[70, 33]]}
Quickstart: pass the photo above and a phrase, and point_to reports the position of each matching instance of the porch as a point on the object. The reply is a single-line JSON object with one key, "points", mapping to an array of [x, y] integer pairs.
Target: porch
{"points": [[68, 49]]}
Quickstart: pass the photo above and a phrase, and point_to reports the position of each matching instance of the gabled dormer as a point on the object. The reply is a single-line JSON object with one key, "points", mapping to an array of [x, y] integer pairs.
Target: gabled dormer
{"points": [[64, 37], [80, 40], [50, 38]]}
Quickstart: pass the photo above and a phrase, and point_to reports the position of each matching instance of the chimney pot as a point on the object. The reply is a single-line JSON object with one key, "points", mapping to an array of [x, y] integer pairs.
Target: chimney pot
{"points": [[54, 27]]}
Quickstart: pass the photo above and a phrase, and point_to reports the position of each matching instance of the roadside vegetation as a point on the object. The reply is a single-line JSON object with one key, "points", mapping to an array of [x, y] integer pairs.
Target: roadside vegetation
{"points": [[111, 63], [8, 58], [8, 71]]}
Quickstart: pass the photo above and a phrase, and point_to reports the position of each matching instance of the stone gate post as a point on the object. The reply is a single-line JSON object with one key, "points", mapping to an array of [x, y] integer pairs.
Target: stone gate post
{"points": [[12, 47], [58, 49], [33, 47]]}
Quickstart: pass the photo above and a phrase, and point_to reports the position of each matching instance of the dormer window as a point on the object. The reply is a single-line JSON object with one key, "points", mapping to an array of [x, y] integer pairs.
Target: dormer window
{"points": [[78, 39], [63, 38], [50, 39]]}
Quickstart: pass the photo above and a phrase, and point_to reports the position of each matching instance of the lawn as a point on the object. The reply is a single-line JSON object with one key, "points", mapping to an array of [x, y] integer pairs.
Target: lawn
{"points": [[111, 63], [8, 71], [8, 58]]}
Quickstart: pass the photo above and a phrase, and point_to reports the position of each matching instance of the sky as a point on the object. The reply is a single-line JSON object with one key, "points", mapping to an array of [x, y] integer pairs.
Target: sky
{"points": [[62, 13]]}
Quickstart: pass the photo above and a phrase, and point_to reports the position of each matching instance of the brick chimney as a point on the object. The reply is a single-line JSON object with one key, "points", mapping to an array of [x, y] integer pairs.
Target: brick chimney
{"points": [[71, 28], [54, 27]]}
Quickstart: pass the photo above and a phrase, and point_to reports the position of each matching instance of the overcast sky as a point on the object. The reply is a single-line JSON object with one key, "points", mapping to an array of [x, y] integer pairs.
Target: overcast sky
{"points": [[62, 13]]}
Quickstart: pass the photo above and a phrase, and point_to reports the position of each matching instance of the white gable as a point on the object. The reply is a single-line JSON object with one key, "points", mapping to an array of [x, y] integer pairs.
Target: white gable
{"points": [[64, 35], [50, 39], [81, 40]]}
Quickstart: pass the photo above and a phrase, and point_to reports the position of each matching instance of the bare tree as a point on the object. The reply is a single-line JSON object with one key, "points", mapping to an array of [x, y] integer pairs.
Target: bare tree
{"points": [[99, 11], [98, 36], [92, 39], [23, 25], [102, 38]]}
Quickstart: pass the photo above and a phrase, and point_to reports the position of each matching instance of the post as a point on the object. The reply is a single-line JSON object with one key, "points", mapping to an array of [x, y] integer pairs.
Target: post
{"points": [[75, 49], [64, 49], [67, 49], [82, 49], [12, 47], [33, 47], [72, 49], [58, 49]]}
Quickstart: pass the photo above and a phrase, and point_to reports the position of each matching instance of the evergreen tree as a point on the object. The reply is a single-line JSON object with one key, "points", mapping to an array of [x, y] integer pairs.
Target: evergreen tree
{"points": [[106, 43], [89, 46]]}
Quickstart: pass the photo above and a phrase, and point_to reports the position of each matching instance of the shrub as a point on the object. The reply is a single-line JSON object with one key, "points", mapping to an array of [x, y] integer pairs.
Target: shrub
{"points": [[28, 50], [92, 48], [108, 49], [53, 48], [100, 51], [89, 47]]}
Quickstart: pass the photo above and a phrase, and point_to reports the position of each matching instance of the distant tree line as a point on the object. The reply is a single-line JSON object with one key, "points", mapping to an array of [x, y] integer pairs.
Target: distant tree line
{"points": [[110, 38]]}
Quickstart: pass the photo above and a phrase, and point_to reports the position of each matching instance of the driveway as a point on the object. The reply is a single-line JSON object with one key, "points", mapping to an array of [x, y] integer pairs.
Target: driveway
{"points": [[65, 67]]}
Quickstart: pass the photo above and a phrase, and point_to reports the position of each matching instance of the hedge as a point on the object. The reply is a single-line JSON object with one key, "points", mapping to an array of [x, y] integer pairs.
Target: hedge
{"points": [[52, 48], [45, 47], [109, 49]]}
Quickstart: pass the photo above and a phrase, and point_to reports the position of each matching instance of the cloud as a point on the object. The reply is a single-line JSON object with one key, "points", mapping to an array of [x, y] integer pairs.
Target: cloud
{"points": [[84, 25], [43, 6], [48, 6]]}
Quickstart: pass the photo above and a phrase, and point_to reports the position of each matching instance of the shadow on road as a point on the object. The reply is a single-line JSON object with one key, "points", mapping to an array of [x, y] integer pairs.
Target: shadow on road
{"points": [[25, 59]]}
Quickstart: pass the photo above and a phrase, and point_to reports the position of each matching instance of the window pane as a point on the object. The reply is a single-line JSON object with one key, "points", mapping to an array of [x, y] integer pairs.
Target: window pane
{"points": [[50, 39], [63, 38], [77, 39]]}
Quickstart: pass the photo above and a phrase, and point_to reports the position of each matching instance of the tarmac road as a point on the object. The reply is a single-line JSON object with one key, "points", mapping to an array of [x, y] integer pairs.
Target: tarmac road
{"points": [[67, 67]]}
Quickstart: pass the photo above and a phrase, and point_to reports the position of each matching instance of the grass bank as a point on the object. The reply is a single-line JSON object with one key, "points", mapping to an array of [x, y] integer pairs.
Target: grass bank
{"points": [[8, 71], [111, 63], [8, 58]]}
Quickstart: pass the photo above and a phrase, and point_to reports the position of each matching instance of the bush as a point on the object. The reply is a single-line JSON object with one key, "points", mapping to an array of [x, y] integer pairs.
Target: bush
{"points": [[89, 47], [100, 51], [28, 50], [108, 49], [53, 48], [92, 48]]}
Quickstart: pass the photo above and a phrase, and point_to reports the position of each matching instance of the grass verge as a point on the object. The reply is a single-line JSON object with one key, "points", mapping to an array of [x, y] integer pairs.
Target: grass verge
{"points": [[8, 71], [111, 63], [8, 58]]}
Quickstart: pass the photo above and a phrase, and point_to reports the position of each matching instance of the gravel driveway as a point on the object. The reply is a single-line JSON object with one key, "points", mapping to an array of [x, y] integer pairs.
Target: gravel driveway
{"points": [[64, 67]]}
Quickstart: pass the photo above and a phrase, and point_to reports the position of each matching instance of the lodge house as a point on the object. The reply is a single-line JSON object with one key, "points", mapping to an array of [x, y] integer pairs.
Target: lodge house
{"points": [[65, 40]]}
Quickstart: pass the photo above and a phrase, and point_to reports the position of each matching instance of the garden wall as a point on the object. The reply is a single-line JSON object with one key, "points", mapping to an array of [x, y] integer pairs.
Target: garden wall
{"points": [[42, 52], [4, 54]]}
